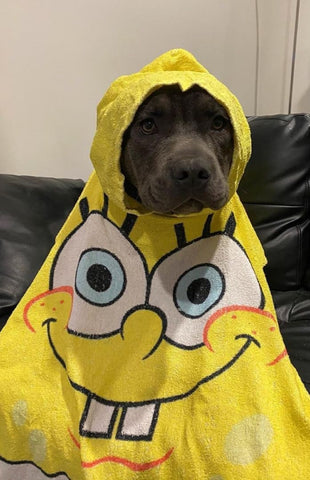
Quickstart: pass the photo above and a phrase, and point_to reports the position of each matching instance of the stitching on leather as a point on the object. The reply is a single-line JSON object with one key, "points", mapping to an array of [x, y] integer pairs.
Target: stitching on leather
{"points": [[300, 296], [307, 236], [296, 299], [299, 254]]}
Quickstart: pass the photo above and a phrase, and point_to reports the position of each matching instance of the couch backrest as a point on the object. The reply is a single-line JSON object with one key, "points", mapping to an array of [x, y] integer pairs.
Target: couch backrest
{"points": [[276, 193], [32, 210]]}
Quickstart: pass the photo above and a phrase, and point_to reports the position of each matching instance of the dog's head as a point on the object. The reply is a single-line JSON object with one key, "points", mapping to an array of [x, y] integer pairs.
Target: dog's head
{"points": [[178, 150]]}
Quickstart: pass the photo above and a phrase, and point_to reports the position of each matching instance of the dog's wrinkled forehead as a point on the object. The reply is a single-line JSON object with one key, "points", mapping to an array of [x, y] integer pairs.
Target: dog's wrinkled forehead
{"points": [[191, 104]]}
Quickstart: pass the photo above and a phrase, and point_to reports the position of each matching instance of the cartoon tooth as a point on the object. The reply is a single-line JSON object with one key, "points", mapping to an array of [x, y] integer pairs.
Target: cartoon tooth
{"points": [[183, 294], [152, 351]]}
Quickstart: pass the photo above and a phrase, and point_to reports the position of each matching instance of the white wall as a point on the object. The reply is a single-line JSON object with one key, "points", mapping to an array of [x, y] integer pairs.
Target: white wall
{"points": [[301, 92], [276, 23], [59, 56]]}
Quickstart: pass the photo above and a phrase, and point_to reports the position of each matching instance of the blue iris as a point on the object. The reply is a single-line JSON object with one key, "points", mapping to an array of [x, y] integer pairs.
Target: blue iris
{"points": [[198, 290], [100, 277]]}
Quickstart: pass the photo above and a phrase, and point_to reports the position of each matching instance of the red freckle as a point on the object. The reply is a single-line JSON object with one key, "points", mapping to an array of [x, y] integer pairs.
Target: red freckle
{"points": [[272, 329], [254, 332], [54, 309], [42, 304], [234, 317], [62, 301]]}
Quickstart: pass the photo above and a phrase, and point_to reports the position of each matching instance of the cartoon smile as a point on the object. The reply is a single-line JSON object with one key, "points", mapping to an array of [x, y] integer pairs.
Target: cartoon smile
{"points": [[181, 314], [221, 349], [134, 466]]}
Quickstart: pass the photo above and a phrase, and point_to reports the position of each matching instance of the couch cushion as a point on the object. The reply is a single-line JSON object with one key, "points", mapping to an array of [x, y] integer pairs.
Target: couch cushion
{"points": [[276, 193], [32, 210], [275, 190]]}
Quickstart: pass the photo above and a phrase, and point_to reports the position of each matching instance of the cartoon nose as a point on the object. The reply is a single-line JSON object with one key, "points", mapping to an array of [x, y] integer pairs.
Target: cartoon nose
{"points": [[143, 329], [190, 173]]}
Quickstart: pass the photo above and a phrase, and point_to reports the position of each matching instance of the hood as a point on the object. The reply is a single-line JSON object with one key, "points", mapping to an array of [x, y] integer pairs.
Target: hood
{"points": [[117, 109]]}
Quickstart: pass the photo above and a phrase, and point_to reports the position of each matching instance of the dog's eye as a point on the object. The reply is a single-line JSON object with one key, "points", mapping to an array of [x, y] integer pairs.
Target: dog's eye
{"points": [[148, 126], [218, 122]]}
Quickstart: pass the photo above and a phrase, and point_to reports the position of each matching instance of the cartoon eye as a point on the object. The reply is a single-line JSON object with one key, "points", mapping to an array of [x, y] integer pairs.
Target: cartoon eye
{"points": [[198, 290], [107, 274], [100, 277], [194, 281]]}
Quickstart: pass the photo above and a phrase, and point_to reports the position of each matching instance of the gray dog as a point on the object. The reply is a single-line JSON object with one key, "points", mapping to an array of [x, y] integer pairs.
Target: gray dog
{"points": [[177, 152]]}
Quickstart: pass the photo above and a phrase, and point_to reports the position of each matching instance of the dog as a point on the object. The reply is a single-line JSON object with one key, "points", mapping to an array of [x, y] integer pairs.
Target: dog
{"points": [[177, 152], [147, 346]]}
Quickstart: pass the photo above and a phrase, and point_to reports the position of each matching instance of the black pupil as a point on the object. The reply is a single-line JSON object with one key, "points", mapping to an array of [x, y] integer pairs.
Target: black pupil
{"points": [[198, 290], [99, 277], [218, 122], [148, 124]]}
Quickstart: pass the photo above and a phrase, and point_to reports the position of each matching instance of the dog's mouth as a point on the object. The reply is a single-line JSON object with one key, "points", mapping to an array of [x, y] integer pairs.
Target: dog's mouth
{"points": [[176, 203], [190, 206]]}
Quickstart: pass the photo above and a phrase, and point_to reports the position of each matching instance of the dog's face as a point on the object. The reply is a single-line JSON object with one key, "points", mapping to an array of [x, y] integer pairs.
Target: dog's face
{"points": [[177, 152]]}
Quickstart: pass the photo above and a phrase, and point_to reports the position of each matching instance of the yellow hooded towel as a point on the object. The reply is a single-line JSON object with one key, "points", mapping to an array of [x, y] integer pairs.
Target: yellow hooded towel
{"points": [[110, 368]]}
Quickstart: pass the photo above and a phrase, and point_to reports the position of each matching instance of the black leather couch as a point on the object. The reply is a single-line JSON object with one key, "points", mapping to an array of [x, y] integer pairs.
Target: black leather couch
{"points": [[275, 191]]}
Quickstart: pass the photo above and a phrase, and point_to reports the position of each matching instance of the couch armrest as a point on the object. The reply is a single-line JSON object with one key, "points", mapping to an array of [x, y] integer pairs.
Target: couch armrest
{"points": [[32, 211]]}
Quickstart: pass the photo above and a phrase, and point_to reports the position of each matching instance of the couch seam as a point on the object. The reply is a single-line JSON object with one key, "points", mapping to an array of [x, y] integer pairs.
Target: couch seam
{"points": [[306, 220], [297, 297]]}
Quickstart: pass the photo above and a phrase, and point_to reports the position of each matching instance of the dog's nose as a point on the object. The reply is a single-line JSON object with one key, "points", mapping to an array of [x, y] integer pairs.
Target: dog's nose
{"points": [[190, 175]]}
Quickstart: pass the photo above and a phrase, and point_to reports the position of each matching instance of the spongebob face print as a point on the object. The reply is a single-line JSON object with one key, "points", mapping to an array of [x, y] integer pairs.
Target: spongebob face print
{"points": [[146, 347], [109, 307]]}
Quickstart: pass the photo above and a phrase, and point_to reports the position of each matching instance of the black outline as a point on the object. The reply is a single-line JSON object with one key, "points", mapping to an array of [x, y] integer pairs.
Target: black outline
{"points": [[121, 436], [183, 347], [95, 336], [246, 335], [172, 252], [73, 232], [206, 232], [92, 336], [105, 206], [230, 226], [213, 304], [29, 462], [122, 268], [180, 235], [149, 274], [84, 208], [58, 357], [128, 224], [85, 391], [151, 308], [208, 378], [88, 433]]}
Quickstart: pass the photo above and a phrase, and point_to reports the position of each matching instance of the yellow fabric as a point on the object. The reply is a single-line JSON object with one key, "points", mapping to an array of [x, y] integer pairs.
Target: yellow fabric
{"points": [[117, 109], [134, 379]]}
